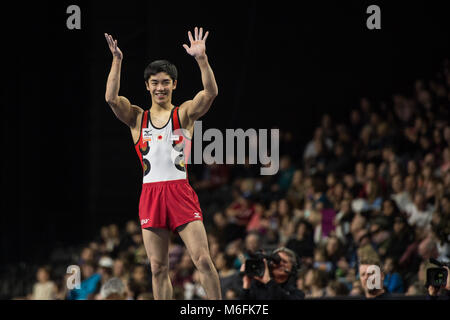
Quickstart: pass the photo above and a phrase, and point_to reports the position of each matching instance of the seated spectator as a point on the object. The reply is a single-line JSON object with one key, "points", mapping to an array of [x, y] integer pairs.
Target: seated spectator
{"points": [[320, 261], [87, 255], [296, 192], [252, 243], [389, 211], [285, 216], [400, 239], [343, 220], [315, 283], [336, 289], [419, 214], [416, 289], [121, 269], [239, 213], [393, 281], [139, 253], [176, 251], [126, 240], [228, 275], [357, 290], [318, 147], [398, 194], [182, 272], [89, 284], [113, 289], [257, 221], [370, 197], [445, 164], [105, 269], [333, 250], [285, 174], [139, 282], [336, 195], [225, 231], [302, 244], [380, 235], [374, 289], [44, 288], [193, 290], [213, 177], [341, 162]]}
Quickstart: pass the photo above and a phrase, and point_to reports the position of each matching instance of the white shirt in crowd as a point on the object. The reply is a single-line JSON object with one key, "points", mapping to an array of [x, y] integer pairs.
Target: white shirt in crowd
{"points": [[419, 218]]}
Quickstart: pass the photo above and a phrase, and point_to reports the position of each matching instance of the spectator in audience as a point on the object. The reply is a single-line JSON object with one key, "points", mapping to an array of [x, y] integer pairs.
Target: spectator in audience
{"points": [[87, 255], [320, 261], [139, 282], [126, 239], [239, 213], [400, 239], [105, 269], [285, 174], [302, 244], [193, 290], [419, 214], [258, 222], [416, 289], [296, 192], [333, 250], [182, 272], [44, 288], [393, 281], [336, 289], [89, 284], [315, 283], [357, 290], [228, 275], [120, 269], [252, 243], [389, 212], [113, 289], [374, 292], [285, 216]]}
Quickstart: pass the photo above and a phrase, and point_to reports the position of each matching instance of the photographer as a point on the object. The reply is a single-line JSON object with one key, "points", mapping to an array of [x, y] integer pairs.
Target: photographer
{"points": [[438, 289], [278, 281]]}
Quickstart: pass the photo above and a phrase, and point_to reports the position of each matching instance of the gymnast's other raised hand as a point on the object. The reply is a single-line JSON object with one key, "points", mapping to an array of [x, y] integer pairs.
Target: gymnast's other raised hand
{"points": [[198, 47], [116, 52]]}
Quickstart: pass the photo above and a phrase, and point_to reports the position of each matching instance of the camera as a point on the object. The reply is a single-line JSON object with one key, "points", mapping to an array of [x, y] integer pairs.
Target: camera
{"points": [[254, 266], [437, 277]]}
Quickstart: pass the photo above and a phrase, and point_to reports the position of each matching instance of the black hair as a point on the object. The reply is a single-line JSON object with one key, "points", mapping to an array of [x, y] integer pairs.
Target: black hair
{"points": [[160, 66], [229, 260], [309, 227]]}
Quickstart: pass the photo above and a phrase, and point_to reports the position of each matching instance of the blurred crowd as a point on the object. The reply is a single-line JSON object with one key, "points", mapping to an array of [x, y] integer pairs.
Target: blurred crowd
{"points": [[375, 184]]}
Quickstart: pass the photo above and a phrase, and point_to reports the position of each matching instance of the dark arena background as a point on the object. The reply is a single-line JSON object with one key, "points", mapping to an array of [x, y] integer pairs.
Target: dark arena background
{"points": [[364, 142]]}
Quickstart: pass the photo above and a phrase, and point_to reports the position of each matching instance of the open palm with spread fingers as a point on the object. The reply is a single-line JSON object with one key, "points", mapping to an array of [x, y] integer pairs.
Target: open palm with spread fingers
{"points": [[113, 47], [197, 48]]}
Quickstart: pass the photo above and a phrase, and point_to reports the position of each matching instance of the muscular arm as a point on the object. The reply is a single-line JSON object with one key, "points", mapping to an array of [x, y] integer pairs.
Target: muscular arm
{"points": [[201, 103], [121, 106]]}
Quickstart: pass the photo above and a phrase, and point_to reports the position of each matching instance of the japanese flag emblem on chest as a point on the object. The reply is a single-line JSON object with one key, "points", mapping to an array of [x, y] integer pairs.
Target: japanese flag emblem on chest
{"points": [[147, 136]]}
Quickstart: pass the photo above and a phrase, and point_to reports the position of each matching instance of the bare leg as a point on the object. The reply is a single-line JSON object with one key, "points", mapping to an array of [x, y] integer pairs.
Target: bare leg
{"points": [[156, 242], [194, 237]]}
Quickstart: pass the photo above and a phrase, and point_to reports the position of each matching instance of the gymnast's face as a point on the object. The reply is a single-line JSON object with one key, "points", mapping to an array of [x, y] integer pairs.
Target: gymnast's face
{"points": [[160, 87]]}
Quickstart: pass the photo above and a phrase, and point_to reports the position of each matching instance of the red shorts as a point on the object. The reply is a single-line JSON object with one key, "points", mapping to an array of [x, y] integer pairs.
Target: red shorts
{"points": [[168, 204]]}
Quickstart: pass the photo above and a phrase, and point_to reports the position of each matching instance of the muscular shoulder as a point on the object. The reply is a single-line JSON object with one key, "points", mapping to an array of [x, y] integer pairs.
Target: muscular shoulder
{"points": [[137, 113]]}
